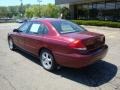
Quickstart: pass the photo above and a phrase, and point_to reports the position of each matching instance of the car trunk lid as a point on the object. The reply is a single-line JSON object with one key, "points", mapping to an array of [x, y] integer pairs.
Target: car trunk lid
{"points": [[91, 40]]}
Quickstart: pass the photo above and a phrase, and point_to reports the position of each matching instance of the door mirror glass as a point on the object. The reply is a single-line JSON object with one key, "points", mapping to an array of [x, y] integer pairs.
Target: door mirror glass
{"points": [[16, 30]]}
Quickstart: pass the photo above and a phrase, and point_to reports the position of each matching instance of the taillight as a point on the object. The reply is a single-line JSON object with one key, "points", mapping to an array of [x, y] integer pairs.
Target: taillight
{"points": [[77, 44]]}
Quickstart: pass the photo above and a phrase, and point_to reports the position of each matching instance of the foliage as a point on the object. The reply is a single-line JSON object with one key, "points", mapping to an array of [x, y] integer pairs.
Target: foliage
{"points": [[42, 11], [13, 11], [29, 12], [97, 23], [3, 12], [66, 13]]}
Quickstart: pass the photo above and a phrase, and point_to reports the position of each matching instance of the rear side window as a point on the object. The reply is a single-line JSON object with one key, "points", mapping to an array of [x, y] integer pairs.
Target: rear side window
{"points": [[35, 28], [38, 28]]}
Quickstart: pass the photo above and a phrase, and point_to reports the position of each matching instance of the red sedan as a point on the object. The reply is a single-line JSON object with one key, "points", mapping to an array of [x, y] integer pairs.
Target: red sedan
{"points": [[58, 42]]}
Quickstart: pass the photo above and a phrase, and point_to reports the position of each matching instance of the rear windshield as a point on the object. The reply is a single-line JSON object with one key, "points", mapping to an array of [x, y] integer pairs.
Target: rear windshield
{"points": [[63, 26]]}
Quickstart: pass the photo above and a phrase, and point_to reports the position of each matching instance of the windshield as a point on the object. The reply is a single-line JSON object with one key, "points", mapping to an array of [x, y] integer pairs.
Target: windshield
{"points": [[64, 26]]}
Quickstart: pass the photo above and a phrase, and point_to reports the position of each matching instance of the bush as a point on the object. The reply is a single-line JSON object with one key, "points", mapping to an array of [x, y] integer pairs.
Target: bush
{"points": [[97, 23]]}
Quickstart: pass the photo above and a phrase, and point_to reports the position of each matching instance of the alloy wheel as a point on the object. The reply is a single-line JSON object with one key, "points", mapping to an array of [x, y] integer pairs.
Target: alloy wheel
{"points": [[46, 60]]}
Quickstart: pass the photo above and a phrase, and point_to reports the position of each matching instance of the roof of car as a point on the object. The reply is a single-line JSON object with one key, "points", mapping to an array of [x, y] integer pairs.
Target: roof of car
{"points": [[47, 19]]}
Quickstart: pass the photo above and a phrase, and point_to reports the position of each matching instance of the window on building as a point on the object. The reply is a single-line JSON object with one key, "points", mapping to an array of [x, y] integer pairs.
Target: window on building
{"points": [[90, 6], [118, 5], [94, 6], [101, 6], [110, 5], [82, 11]]}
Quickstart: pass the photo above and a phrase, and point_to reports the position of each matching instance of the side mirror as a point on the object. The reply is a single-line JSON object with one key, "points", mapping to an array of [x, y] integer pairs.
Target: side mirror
{"points": [[15, 30]]}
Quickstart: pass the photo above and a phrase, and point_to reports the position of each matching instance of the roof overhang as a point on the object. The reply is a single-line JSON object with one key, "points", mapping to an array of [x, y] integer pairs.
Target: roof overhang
{"points": [[58, 2]]}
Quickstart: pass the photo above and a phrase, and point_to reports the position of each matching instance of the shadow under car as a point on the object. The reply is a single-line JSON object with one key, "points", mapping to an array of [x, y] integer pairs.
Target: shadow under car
{"points": [[94, 75]]}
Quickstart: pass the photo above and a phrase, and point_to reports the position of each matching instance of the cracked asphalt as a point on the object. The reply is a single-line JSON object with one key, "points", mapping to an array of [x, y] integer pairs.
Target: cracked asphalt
{"points": [[21, 71]]}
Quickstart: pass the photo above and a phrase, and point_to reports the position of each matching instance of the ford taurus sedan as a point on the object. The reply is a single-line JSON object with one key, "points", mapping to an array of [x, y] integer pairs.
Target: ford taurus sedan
{"points": [[58, 42]]}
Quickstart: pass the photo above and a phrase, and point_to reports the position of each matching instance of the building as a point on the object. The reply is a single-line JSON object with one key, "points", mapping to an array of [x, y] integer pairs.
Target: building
{"points": [[92, 9]]}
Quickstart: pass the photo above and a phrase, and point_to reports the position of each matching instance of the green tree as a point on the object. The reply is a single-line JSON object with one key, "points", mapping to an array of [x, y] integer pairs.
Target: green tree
{"points": [[3, 12], [32, 11], [13, 11], [43, 11], [29, 13], [50, 11], [66, 13]]}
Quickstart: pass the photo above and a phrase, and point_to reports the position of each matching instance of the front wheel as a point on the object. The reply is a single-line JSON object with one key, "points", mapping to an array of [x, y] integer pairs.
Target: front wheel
{"points": [[47, 60], [11, 44]]}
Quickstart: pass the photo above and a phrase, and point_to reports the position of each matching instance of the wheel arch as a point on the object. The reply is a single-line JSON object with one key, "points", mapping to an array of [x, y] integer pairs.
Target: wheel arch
{"points": [[9, 37], [54, 60], [44, 48]]}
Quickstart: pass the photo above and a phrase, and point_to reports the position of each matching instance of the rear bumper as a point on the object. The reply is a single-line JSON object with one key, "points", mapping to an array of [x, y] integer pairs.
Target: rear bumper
{"points": [[77, 60]]}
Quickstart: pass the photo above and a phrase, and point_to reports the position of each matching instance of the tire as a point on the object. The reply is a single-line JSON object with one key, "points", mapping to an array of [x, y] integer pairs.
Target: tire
{"points": [[47, 60], [11, 44]]}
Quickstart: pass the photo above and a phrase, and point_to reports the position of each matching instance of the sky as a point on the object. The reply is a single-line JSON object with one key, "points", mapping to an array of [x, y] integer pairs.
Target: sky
{"points": [[17, 2]]}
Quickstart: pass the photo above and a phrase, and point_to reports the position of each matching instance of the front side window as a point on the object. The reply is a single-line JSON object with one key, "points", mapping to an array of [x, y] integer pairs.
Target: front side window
{"points": [[64, 26], [23, 28]]}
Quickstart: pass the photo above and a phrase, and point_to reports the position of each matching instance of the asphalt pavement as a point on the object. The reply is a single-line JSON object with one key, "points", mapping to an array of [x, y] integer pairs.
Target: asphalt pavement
{"points": [[21, 71]]}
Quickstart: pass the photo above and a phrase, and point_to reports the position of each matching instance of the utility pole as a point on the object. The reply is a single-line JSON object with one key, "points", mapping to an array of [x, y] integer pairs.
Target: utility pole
{"points": [[39, 1], [21, 8]]}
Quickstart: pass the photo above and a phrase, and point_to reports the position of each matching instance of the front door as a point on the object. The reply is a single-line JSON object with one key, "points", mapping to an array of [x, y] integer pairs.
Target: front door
{"points": [[19, 36]]}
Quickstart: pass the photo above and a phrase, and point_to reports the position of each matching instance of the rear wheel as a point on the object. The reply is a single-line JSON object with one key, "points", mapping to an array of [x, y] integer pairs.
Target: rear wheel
{"points": [[11, 44], [47, 60]]}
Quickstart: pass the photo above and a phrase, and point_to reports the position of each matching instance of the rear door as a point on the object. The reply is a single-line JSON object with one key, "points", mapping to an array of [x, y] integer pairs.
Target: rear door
{"points": [[34, 39]]}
